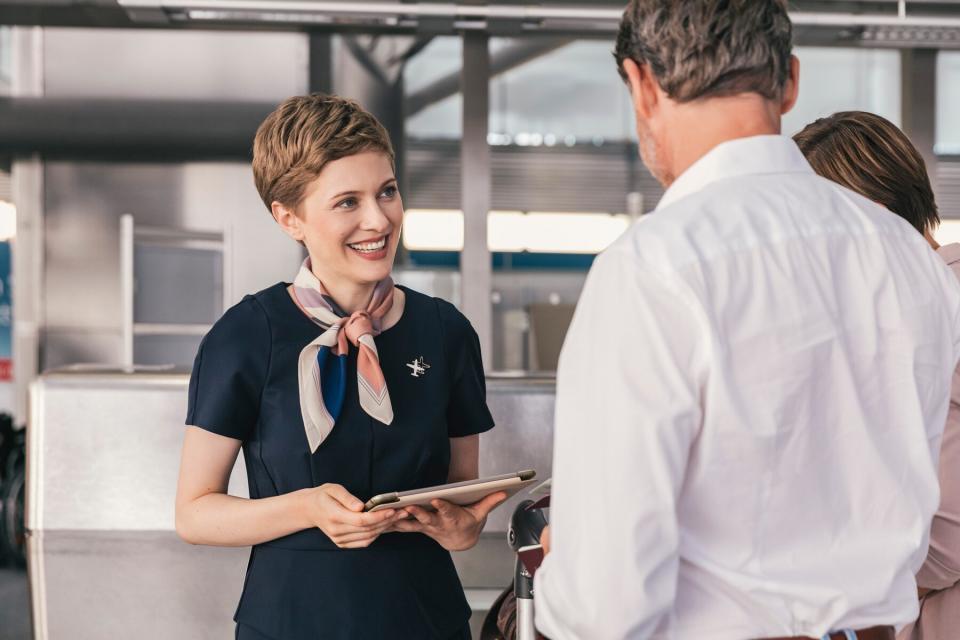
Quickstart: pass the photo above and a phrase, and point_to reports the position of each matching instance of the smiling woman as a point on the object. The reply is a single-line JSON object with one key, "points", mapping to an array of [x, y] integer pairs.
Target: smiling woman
{"points": [[350, 218], [310, 379]]}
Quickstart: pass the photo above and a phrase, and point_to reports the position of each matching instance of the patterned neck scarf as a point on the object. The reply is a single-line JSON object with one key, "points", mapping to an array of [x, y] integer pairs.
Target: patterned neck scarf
{"points": [[323, 362]]}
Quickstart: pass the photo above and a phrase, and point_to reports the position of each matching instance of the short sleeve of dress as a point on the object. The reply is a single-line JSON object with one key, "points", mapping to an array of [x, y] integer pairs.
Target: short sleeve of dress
{"points": [[229, 372], [467, 411]]}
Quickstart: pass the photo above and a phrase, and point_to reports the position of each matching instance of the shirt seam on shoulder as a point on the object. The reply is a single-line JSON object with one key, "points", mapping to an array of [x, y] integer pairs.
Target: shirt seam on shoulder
{"points": [[192, 399], [266, 376], [443, 335], [263, 390]]}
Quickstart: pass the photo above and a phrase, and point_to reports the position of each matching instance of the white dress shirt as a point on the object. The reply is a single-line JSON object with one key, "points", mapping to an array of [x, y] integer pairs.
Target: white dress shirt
{"points": [[750, 402]]}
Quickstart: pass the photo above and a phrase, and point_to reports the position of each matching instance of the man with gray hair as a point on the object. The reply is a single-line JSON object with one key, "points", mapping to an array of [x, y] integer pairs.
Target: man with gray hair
{"points": [[752, 392]]}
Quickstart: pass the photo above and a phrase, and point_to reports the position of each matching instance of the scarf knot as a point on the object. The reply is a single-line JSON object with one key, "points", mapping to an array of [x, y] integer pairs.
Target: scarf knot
{"points": [[357, 324], [322, 363]]}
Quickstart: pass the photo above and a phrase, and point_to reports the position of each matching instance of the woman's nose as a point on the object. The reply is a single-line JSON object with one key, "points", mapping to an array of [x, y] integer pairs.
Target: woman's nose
{"points": [[374, 219]]}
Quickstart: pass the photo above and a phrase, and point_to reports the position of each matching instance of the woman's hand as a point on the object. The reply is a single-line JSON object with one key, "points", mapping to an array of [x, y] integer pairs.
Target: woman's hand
{"points": [[337, 513], [455, 528]]}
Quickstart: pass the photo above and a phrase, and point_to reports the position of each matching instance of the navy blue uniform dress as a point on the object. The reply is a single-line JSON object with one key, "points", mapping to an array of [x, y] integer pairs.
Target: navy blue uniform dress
{"points": [[302, 586]]}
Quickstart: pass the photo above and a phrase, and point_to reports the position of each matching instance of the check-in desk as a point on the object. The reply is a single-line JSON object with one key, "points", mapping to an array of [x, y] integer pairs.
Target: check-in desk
{"points": [[104, 559]]}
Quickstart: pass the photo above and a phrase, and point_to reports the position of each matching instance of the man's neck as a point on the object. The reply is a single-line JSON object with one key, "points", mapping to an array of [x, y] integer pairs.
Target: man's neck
{"points": [[702, 125]]}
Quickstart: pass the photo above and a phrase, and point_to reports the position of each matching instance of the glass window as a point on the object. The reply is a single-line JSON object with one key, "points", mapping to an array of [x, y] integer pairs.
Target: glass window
{"points": [[550, 100], [833, 79], [948, 97], [441, 58], [573, 94]]}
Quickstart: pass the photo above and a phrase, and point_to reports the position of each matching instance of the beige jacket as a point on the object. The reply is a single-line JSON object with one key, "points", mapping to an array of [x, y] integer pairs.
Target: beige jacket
{"points": [[940, 609]]}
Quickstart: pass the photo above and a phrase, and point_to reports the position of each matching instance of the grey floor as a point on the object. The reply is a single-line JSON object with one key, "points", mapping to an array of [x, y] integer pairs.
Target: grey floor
{"points": [[14, 605]]}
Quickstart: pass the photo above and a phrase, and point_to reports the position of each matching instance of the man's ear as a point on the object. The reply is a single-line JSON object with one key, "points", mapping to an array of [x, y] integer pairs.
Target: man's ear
{"points": [[288, 220], [791, 90], [644, 90]]}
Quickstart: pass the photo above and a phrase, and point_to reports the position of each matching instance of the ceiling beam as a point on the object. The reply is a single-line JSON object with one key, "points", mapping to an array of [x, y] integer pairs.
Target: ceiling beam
{"points": [[510, 57]]}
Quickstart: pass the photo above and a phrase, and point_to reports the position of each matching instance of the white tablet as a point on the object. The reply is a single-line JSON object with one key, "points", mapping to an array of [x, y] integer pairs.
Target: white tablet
{"points": [[461, 493]]}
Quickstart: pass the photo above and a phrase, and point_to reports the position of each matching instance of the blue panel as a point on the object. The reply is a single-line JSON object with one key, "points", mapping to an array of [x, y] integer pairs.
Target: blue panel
{"points": [[508, 261]]}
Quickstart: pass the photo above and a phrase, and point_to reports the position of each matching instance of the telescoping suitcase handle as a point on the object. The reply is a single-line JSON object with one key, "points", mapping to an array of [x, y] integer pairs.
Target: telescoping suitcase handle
{"points": [[526, 525]]}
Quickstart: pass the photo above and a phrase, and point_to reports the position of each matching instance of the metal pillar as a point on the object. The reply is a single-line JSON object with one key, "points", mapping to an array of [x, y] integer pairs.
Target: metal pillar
{"points": [[918, 72], [475, 263], [27, 267], [321, 63]]}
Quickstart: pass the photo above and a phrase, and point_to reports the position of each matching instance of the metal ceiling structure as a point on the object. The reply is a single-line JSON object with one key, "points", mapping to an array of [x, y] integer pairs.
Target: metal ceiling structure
{"points": [[932, 23]]}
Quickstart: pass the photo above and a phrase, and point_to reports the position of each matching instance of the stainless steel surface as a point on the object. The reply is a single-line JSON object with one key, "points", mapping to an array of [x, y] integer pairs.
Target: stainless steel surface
{"points": [[523, 437], [103, 453], [475, 185], [149, 585]]}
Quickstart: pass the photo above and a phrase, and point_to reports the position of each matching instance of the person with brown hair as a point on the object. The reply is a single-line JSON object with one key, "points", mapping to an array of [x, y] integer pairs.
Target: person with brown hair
{"points": [[752, 391], [873, 157], [338, 386]]}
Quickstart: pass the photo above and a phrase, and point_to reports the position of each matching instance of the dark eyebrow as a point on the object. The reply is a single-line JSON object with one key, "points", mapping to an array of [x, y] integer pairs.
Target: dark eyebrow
{"points": [[353, 193]]}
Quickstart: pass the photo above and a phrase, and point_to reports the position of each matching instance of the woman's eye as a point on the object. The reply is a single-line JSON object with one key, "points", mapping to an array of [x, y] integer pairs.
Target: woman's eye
{"points": [[389, 192], [348, 203]]}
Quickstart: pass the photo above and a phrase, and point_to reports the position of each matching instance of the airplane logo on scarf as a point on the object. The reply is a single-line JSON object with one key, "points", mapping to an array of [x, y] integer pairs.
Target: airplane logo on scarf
{"points": [[419, 367]]}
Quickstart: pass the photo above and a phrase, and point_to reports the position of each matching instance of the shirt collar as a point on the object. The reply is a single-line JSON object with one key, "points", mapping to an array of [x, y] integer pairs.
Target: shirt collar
{"points": [[740, 157], [950, 252]]}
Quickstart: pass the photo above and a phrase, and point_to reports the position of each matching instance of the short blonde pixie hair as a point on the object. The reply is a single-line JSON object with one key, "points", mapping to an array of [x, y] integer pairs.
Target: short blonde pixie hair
{"points": [[302, 135]]}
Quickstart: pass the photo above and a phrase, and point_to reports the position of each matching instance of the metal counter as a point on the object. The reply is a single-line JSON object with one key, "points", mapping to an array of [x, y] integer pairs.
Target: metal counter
{"points": [[103, 453]]}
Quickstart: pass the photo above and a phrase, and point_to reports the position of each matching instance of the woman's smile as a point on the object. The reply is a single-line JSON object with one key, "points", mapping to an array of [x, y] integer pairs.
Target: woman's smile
{"points": [[375, 249]]}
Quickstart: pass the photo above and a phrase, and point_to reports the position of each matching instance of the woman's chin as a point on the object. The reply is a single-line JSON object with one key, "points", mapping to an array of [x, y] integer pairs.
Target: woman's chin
{"points": [[372, 267]]}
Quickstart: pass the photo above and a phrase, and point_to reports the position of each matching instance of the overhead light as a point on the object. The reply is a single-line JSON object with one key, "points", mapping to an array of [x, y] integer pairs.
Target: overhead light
{"points": [[572, 232], [8, 221], [506, 231], [516, 231], [433, 230], [948, 232]]}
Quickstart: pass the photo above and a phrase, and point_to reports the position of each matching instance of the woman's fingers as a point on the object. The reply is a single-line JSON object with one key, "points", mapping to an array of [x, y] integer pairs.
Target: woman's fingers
{"points": [[344, 497], [362, 537], [422, 516], [481, 509], [356, 536], [368, 521], [445, 509], [407, 526]]}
